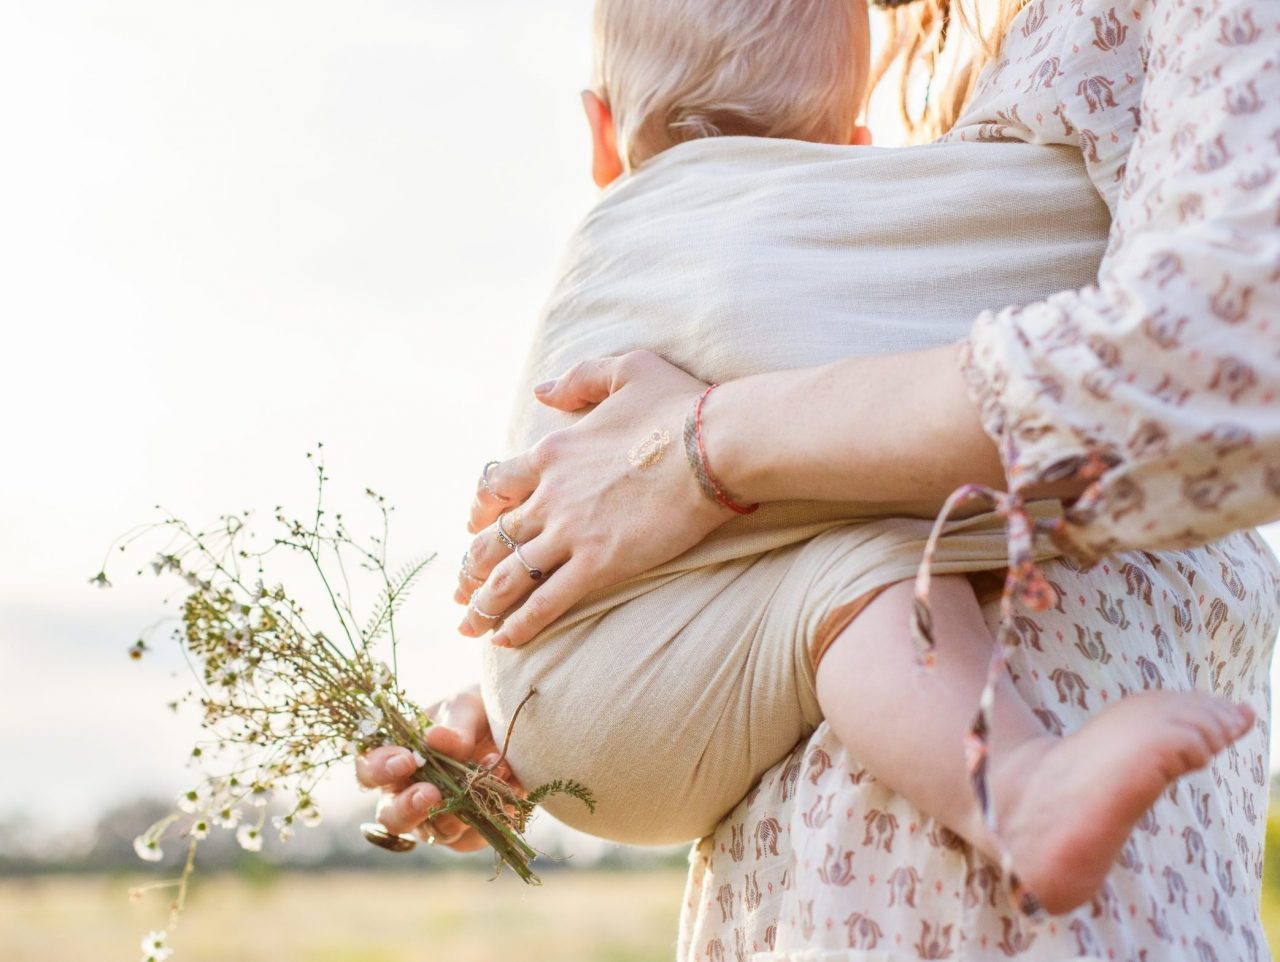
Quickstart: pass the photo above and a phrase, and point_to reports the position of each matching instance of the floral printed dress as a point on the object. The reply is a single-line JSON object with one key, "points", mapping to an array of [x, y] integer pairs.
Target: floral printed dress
{"points": [[1161, 385]]}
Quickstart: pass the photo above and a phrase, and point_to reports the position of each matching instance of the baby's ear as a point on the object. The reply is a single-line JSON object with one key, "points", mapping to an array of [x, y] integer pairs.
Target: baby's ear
{"points": [[606, 163], [861, 137]]}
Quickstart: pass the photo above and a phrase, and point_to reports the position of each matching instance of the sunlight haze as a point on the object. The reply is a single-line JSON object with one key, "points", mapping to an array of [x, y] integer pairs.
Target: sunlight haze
{"points": [[232, 231]]}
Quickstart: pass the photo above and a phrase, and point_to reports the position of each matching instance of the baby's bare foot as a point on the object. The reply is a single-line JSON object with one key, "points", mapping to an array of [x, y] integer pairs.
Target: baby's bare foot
{"points": [[1066, 806]]}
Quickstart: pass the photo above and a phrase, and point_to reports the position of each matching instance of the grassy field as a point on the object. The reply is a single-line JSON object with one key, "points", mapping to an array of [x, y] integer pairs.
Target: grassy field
{"points": [[575, 917]]}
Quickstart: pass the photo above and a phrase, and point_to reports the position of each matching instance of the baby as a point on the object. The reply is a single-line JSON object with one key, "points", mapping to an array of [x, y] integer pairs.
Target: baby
{"points": [[739, 233]]}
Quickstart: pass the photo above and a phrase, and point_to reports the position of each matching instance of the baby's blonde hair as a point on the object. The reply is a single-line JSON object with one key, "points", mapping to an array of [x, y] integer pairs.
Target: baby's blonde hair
{"points": [[677, 70]]}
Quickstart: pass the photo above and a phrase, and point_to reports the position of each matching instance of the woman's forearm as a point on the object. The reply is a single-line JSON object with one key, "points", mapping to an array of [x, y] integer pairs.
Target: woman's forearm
{"points": [[876, 429]]}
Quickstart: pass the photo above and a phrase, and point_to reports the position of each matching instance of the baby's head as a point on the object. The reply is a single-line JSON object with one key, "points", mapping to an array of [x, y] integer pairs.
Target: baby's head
{"points": [[668, 71]]}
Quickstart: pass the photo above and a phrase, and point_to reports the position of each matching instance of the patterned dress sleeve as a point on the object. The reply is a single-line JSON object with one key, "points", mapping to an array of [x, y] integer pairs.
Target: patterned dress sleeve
{"points": [[1161, 384]]}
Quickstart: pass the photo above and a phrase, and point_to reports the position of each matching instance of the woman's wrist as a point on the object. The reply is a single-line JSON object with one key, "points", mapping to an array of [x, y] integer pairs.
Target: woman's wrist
{"points": [[712, 487], [891, 429], [740, 440]]}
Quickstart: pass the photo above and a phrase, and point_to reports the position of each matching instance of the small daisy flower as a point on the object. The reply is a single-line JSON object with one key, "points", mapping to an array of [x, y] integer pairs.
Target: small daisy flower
{"points": [[368, 726], [148, 848], [250, 838], [382, 676], [200, 828], [195, 800], [284, 825], [226, 817], [153, 947], [260, 795], [309, 813]]}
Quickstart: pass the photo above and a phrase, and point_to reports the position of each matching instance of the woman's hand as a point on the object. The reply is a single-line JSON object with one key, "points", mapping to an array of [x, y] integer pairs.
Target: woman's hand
{"points": [[461, 731], [589, 506]]}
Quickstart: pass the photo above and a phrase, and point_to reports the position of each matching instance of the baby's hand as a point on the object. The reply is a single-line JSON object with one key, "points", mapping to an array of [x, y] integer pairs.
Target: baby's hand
{"points": [[462, 732]]}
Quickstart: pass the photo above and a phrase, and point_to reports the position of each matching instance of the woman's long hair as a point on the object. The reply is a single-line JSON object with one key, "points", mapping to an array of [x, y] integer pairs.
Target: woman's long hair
{"points": [[935, 50]]}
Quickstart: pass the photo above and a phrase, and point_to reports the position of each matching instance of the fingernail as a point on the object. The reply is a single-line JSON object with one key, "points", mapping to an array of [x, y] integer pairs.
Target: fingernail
{"points": [[421, 801], [466, 630], [544, 388], [400, 767], [501, 641]]}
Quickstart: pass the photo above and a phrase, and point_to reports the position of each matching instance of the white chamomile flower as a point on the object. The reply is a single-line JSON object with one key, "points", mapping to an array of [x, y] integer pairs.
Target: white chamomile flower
{"points": [[260, 795], [200, 828], [153, 947], [382, 675], [226, 817], [368, 726], [309, 813], [195, 800], [148, 848], [284, 825], [250, 838]]}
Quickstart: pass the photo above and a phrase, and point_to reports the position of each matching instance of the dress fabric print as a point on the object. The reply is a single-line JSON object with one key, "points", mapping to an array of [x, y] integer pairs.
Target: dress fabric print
{"points": [[1159, 382]]}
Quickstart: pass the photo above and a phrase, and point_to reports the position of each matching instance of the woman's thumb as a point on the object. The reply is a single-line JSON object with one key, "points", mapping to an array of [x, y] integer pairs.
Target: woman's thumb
{"points": [[586, 383]]}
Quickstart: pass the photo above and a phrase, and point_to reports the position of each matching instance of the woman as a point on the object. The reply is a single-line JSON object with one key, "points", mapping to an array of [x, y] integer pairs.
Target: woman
{"points": [[1149, 397]]}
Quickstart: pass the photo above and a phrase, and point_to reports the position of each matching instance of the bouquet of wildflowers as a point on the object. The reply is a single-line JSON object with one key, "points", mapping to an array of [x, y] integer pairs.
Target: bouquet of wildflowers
{"points": [[285, 694]]}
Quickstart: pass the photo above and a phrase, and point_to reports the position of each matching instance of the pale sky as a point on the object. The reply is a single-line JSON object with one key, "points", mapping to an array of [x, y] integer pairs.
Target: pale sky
{"points": [[227, 231]]}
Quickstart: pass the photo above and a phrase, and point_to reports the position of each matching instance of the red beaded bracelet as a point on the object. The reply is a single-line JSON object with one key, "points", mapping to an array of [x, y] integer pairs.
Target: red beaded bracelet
{"points": [[697, 453]]}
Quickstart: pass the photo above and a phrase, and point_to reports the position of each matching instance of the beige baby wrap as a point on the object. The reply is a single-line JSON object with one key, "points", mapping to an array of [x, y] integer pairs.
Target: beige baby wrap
{"points": [[668, 695]]}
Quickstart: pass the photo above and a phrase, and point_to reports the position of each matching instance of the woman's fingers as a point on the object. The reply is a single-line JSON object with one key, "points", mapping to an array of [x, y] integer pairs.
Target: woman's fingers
{"points": [[460, 730], [560, 592], [385, 767], [409, 811], [508, 585], [459, 724], [509, 484], [405, 811], [488, 550], [590, 382]]}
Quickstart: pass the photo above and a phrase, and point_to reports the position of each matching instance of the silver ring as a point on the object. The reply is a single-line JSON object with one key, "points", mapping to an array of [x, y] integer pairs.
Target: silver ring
{"points": [[505, 538], [484, 481], [465, 568], [375, 834], [481, 612], [534, 572]]}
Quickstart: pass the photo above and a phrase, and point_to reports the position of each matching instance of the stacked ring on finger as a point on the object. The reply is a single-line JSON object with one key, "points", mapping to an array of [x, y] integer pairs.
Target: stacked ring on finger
{"points": [[535, 573], [484, 481], [500, 533], [465, 568], [477, 610]]}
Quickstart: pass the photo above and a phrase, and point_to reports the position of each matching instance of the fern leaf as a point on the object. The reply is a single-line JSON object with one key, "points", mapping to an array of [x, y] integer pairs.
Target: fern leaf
{"points": [[559, 787], [392, 598]]}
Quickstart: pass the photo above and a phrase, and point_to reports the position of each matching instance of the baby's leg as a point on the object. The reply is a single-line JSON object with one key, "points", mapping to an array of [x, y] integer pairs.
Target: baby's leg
{"points": [[1064, 806]]}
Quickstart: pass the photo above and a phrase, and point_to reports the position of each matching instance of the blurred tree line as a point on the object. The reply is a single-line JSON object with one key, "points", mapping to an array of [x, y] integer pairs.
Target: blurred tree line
{"points": [[107, 848]]}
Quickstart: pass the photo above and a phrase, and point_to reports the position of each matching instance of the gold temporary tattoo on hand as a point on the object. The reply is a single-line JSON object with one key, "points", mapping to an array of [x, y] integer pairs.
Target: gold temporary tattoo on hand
{"points": [[649, 451]]}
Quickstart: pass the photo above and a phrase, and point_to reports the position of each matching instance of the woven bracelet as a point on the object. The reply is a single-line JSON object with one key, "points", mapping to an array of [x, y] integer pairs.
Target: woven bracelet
{"points": [[696, 452]]}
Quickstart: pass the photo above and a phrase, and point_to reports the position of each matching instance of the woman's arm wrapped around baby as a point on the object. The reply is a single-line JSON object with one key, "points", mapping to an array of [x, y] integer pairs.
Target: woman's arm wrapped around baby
{"points": [[692, 676]]}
